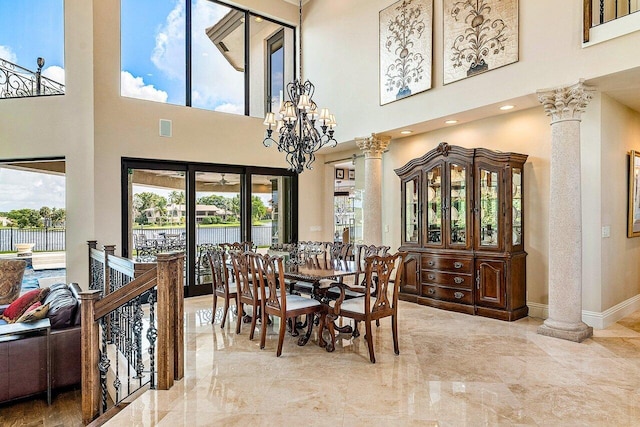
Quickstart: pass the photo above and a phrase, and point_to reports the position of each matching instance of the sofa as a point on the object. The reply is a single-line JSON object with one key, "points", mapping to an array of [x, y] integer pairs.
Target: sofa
{"points": [[23, 358]]}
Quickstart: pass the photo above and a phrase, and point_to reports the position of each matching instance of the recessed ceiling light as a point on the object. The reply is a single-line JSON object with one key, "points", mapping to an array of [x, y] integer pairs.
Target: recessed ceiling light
{"points": [[451, 122], [258, 19], [506, 107], [406, 132]]}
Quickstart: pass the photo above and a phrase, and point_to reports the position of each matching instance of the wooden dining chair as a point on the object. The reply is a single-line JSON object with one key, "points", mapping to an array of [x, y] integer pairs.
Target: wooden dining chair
{"points": [[370, 307], [280, 304], [339, 251], [223, 287], [238, 246], [245, 270]]}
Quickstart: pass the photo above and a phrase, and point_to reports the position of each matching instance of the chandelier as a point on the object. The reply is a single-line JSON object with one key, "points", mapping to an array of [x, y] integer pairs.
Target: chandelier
{"points": [[297, 134]]}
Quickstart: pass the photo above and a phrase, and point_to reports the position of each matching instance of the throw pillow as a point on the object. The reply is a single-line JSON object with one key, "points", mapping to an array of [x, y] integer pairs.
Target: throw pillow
{"points": [[19, 306], [36, 312], [62, 306]]}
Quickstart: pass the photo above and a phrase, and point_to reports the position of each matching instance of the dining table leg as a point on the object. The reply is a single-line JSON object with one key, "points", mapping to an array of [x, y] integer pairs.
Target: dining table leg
{"points": [[303, 340]]}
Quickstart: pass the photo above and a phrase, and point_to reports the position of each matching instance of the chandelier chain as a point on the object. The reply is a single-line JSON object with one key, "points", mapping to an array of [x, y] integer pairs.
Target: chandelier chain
{"points": [[300, 37]]}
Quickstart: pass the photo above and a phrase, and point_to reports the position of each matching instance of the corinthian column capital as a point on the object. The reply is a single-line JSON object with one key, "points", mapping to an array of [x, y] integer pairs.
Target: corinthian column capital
{"points": [[565, 102], [374, 145]]}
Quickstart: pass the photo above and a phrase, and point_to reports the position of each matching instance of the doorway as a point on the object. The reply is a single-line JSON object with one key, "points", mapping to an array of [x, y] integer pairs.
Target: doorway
{"points": [[193, 207]]}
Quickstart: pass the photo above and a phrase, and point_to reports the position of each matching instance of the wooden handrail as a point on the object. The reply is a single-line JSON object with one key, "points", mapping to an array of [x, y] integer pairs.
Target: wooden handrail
{"points": [[122, 296]]}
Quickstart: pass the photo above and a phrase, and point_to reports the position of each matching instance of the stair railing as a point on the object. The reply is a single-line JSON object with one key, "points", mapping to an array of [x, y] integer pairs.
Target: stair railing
{"points": [[142, 302]]}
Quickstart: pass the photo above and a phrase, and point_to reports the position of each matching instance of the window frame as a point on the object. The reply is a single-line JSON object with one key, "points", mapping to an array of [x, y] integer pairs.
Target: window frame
{"points": [[247, 37]]}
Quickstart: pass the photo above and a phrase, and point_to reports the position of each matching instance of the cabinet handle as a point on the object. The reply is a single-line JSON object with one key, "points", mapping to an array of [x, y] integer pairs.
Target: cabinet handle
{"points": [[458, 280], [431, 276], [458, 295], [478, 279], [431, 291], [431, 263], [457, 264]]}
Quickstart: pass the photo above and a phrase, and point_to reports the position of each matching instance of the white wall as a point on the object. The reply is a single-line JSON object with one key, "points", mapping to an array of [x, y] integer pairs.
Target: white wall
{"points": [[346, 73], [620, 255], [63, 126], [524, 132]]}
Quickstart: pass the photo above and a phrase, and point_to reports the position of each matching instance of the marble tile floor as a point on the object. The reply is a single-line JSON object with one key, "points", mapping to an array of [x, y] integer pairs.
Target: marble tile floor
{"points": [[453, 370]]}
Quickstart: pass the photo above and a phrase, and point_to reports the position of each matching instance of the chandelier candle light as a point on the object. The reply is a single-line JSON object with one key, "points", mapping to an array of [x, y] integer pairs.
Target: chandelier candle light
{"points": [[298, 136]]}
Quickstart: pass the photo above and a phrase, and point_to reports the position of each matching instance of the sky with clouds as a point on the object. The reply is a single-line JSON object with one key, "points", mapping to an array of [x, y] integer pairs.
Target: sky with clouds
{"points": [[153, 55], [152, 67], [34, 28], [19, 189]]}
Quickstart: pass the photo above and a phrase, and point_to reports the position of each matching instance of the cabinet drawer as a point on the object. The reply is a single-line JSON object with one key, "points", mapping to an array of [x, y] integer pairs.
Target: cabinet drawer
{"points": [[433, 262], [462, 296], [454, 280]]}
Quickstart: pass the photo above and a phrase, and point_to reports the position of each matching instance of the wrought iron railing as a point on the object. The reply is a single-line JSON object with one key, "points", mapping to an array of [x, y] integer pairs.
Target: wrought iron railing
{"points": [[19, 82], [132, 316], [598, 12]]}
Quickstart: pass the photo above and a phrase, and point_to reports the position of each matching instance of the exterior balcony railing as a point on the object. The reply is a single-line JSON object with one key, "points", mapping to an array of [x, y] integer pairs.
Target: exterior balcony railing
{"points": [[19, 82]]}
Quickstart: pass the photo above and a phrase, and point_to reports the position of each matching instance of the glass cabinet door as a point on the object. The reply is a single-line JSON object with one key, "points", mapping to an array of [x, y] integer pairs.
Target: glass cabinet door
{"points": [[411, 192], [434, 206], [458, 204], [489, 208], [516, 194]]}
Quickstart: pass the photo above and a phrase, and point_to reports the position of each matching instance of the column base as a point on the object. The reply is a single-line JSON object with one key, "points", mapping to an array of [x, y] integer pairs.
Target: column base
{"points": [[578, 334]]}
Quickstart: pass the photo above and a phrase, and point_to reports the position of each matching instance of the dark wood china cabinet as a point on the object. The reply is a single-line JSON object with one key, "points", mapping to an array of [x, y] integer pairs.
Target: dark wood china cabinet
{"points": [[462, 225]]}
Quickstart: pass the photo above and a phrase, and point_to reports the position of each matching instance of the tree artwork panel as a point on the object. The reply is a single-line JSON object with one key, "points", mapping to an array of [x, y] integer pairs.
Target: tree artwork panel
{"points": [[479, 36], [405, 49]]}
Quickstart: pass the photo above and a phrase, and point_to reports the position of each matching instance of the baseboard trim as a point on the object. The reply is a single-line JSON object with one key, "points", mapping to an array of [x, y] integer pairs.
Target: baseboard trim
{"points": [[539, 311], [593, 318]]}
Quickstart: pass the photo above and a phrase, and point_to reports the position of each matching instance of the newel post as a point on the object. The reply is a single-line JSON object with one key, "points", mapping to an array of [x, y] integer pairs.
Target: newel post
{"points": [[170, 319], [90, 355]]}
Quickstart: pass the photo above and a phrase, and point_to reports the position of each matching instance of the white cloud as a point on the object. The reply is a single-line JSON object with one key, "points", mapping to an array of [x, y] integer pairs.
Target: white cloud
{"points": [[168, 54], [216, 84], [134, 87], [30, 190], [230, 108], [54, 73], [8, 54]]}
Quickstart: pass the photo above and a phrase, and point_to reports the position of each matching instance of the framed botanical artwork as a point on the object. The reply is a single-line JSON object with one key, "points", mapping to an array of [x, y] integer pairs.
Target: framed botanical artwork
{"points": [[352, 174], [478, 36], [339, 173], [633, 228], [405, 49]]}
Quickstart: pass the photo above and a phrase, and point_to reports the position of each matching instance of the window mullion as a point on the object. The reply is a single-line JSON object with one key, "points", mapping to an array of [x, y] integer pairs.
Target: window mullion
{"points": [[187, 39]]}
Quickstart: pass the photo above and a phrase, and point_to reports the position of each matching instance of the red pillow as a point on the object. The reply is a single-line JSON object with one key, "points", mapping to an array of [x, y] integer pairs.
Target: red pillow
{"points": [[19, 306]]}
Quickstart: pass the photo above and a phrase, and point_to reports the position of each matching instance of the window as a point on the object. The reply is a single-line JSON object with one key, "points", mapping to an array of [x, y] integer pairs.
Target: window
{"points": [[191, 207], [275, 72], [31, 48], [204, 54]]}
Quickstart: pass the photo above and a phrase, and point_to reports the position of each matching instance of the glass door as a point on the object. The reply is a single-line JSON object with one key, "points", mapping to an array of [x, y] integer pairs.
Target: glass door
{"points": [[411, 193], [157, 212], [516, 200], [434, 205], [489, 209], [217, 220], [270, 210], [192, 207], [457, 206]]}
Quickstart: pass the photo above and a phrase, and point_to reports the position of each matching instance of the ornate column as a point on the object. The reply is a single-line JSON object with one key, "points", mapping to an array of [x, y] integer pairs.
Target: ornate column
{"points": [[565, 105], [373, 147]]}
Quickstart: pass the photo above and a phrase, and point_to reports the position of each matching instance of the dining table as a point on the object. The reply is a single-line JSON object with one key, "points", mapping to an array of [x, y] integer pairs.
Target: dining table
{"points": [[325, 275]]}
